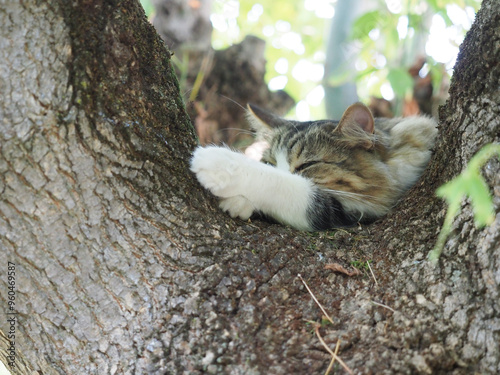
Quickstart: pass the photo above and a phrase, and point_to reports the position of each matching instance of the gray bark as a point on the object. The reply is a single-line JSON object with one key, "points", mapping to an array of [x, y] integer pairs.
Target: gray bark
{"points": [[124, 265]]}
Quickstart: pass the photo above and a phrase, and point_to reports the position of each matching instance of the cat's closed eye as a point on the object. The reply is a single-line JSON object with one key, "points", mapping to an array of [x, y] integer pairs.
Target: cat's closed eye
{"points": [[325, 174], [305, 166]]}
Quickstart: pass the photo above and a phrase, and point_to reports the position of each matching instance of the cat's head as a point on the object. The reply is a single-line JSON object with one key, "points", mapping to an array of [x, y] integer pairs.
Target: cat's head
{"points": [[357, 125], [345, 157]]}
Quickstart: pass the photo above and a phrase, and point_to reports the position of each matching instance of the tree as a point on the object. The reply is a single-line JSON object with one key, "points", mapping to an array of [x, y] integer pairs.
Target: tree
{"points": [[340, 58], [216, 82], [123, 264]]}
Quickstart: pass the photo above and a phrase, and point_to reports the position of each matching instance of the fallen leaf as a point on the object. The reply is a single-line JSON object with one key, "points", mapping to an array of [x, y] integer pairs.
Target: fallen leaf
{"points": [[338, 268]]}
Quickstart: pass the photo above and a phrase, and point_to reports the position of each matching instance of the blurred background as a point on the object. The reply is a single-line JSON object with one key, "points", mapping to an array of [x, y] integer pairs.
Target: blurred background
{"points": [[309, 59]]}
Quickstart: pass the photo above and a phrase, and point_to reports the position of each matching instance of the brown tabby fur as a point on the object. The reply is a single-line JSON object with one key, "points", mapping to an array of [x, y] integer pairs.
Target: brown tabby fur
{"points": [[365, 164]]}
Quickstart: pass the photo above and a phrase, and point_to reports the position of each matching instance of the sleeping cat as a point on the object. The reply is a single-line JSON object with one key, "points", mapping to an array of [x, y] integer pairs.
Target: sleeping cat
{"points": [[320, 174]]}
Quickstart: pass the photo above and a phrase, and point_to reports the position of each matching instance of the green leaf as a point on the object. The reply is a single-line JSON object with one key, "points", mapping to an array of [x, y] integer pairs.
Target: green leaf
{"points": [[469, 183], [148, 7], [400, 80], [452, 190], [366, 23], [481, 201], [433, 4]]}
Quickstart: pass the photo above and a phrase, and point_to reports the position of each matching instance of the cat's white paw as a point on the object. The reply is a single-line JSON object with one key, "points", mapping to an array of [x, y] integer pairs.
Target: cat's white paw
{"points": [[237, 206], [219, 170]]}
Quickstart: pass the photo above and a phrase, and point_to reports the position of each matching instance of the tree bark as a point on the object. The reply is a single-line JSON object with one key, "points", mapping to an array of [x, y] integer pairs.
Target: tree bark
{"points": [[124, 265]]}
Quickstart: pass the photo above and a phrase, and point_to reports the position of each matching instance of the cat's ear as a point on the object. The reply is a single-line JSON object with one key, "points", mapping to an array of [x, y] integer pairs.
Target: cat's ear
{"points": [[357, 117], [262, 120]]}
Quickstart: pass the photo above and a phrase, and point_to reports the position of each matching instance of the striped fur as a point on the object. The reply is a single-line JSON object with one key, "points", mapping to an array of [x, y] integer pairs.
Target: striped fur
{"points": [[322, 174]]}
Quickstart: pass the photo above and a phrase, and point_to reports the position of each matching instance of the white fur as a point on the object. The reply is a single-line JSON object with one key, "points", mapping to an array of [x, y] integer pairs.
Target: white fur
{"points": [[281, 160], [247, 185], [256, 150]]}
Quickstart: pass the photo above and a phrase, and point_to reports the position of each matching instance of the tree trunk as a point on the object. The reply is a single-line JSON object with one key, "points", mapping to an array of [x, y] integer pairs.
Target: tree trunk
{"points": [[124, 265], [341, 54]]}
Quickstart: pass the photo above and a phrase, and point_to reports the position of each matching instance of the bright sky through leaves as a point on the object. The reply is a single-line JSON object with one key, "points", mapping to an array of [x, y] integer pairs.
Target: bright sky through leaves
{"points": [[296, 32], [291, 51]]}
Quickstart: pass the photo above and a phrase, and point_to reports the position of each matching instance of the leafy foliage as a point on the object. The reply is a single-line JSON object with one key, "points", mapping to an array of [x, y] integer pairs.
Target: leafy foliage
{"points": [[148, 7], [294, 37], [468, 184], [388, 38], [394, 35], [400, 81]]}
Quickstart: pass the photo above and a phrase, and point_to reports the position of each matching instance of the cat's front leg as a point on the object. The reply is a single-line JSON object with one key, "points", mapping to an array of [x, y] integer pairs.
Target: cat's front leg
{"points": [[247, 185], [220, 170], [237, 206], [224, 173]]}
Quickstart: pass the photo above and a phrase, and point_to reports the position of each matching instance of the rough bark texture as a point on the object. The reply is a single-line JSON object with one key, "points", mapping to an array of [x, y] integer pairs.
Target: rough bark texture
{"points": [[124, 264]]}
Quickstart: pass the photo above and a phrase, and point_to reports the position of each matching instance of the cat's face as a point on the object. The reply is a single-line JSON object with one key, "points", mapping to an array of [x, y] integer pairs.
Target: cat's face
{"points": [[346, 156]]}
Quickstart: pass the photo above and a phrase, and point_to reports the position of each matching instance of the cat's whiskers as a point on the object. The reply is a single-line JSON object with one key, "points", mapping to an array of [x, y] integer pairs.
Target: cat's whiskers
{"points": [[240, 131], [292, 124], [350, 193], [372, 162], [364, 198], [233, 101]]}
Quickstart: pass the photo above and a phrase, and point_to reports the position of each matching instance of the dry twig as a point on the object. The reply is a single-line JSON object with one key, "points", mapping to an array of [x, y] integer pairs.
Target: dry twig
{"points": [[374, 278], [315, 300], [333, 358], [387, 307], [333, 354]]}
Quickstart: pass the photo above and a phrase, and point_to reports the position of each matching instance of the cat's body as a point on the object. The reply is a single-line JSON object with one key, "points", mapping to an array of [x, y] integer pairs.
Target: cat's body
{"points": [[323, 174]]}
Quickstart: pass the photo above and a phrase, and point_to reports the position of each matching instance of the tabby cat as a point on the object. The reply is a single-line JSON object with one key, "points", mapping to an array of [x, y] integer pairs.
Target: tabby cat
{"points": [[320, 174]]}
